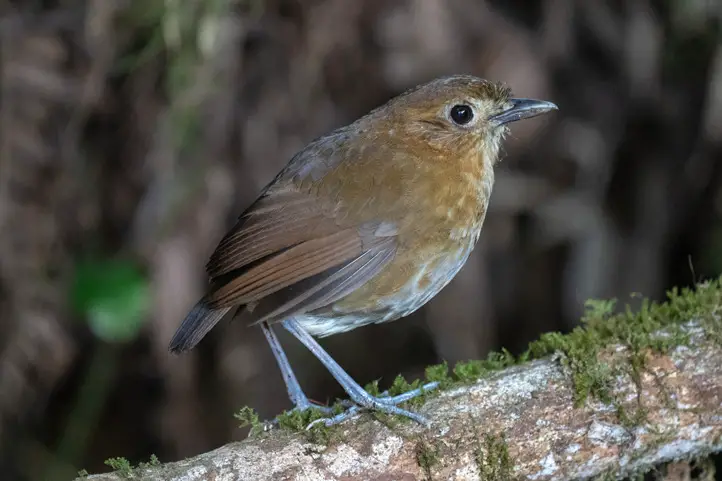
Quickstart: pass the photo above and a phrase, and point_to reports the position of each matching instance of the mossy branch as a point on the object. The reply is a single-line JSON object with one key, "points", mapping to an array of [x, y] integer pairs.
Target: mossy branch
{"points": [[622, 394]]}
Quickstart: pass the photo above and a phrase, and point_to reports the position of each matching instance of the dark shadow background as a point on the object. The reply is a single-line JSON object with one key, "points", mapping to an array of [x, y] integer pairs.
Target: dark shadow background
{"points": [[133, 133]]}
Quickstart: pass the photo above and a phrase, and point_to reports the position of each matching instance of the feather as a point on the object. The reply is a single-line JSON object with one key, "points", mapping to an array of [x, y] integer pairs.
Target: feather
{"points": [[324, 288], [290, 266], [195, 326], [271, 224]]}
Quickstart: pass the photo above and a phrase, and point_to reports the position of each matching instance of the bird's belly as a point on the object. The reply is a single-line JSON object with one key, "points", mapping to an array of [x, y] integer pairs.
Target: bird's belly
{"points": [[406, 284]]}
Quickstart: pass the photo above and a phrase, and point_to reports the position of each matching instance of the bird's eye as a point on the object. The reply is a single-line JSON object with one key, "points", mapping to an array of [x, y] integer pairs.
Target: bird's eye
{"points": [[461, 114]]}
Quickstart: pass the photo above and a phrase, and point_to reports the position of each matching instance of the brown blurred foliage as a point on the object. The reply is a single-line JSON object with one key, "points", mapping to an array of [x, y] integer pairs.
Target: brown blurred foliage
{"points": [[140, 130]]}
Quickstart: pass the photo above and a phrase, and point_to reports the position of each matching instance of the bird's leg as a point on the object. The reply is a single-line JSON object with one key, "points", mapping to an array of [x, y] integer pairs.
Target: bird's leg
{"points": [[298, 397], [357, 394]]}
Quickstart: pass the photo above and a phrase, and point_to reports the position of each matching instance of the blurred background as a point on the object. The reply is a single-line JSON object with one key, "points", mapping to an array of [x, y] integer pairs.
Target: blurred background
{"points": [[132, 134]]}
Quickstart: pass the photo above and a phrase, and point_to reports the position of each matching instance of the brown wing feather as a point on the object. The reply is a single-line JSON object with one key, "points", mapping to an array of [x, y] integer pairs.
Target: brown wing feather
{"points": [[273, 223], [325, 288], [287, 268]]}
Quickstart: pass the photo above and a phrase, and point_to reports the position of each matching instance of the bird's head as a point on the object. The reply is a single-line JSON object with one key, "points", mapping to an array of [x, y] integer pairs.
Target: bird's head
{"points": [[460, 115]]}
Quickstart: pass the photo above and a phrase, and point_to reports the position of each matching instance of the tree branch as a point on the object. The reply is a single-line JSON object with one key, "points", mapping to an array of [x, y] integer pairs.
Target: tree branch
{"points": [[520, 423]]}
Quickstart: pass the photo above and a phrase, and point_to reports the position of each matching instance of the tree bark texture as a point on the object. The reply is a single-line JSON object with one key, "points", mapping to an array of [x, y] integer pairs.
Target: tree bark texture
{"points": [[521, 423]]}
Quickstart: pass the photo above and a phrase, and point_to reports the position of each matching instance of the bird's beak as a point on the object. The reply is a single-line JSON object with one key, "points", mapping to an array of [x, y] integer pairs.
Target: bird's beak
{"points": [[522, 109]]}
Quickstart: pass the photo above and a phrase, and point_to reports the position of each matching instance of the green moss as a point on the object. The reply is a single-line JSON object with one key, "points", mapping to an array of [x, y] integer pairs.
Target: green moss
{"points": [[249, 417], [492, 458], [373, 388], [121, 466], [471, 371], [320, 434], [401, 385], [631, 418], [638, 331], [83, 473], [298, 421], [427, 456], [439, 373], [124, 468], [154, 461], [656, 327]]}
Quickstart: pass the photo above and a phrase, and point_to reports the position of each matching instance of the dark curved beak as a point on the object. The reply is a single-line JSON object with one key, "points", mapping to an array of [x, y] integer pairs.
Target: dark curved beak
{"points": [[522, 109]]}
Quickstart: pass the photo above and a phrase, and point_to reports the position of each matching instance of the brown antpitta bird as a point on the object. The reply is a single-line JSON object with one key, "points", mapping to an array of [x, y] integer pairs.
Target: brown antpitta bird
{"points": [[364, 225]]}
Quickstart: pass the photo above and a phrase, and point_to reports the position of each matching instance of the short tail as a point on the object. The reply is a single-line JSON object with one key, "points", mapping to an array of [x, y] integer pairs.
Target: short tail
{"points": [[195, 326]]}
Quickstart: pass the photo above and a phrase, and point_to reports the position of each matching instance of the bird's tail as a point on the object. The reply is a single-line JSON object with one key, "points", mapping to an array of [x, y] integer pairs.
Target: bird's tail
{"points": [[195, 326]]}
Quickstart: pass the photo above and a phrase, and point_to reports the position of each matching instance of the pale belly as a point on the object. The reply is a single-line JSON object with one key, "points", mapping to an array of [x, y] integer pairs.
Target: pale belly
{"points": [[386, 298]]}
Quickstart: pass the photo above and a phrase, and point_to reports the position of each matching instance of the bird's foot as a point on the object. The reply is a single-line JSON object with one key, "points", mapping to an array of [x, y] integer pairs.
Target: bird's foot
{"points": [[383, 403]]}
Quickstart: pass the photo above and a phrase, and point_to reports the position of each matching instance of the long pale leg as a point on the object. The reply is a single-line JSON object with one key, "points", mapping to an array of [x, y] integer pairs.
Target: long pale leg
{"points": [[357, 394], [298, 397]]}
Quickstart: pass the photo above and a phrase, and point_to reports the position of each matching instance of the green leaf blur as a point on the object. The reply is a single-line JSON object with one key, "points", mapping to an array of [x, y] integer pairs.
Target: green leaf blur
{"points": [[113, 296]]}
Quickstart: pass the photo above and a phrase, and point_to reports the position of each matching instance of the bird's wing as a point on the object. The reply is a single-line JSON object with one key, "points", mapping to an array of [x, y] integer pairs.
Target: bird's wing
{"points": [[285, 256], [287, 251], [280, 219]]}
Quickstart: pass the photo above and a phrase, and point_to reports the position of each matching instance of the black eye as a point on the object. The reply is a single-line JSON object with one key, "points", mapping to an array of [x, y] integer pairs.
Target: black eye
{"points": [[461, 114]]}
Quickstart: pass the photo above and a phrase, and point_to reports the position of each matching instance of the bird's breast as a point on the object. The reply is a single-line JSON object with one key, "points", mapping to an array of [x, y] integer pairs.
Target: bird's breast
{"points": [[431, 250], [438, 209]]}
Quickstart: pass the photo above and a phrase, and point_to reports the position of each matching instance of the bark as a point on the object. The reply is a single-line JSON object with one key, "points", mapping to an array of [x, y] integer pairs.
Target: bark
{"points": [[521, 423]]}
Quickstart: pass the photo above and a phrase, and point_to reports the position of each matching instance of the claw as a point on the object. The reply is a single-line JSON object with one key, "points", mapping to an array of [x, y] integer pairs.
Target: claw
{"points": [[382, 403]]}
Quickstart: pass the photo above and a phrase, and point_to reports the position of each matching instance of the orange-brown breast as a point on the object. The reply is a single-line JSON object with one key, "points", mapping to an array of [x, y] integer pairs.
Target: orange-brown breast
{"points": [[436, 199]]}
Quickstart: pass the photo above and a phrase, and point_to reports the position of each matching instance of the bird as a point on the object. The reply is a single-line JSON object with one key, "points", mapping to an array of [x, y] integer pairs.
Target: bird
{"points": [[364, 225]]}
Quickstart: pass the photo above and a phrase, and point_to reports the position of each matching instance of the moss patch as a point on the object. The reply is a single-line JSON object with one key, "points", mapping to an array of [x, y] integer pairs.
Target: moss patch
{"points": [[154, 461], [471, 371], [298, 421], [654, 327], [247, 416], [492, 458], [125, 469], [427, 456], [438, 373], [121, 466]]}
